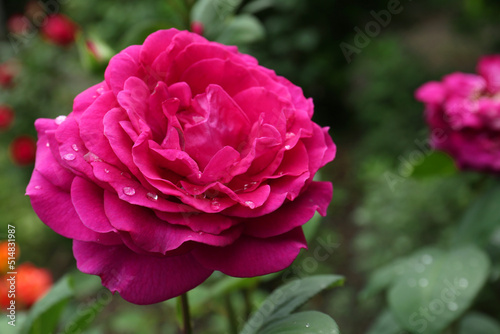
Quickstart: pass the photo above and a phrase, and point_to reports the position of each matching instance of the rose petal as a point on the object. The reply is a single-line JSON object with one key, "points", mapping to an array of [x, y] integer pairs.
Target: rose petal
{"points": [[249, 257], [140, 279]]}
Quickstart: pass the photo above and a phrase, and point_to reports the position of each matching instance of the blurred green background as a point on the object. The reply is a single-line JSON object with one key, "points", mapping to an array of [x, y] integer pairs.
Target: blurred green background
{"points": [[367, 100]]}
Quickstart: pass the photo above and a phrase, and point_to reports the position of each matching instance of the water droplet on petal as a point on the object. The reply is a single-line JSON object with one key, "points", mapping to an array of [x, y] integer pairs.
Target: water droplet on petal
{"points": [[452, 306], [91, 157], [423, 282], [200, 233], [38, 187], [100, 90], [199, 175], [74, 147], [289, 135], [152, 196], [463, 283], [60, 119], [129, 191], [215, 205], [48, 144], [106, 170], [250, 204], [288, 147], [69, 157]]}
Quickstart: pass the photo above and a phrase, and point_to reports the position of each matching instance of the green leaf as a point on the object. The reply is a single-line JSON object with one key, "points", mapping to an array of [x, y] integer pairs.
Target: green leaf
{"points": [[383, 277], [386, 323], [309, 322], [213, 14], [44, 316], [242, 29], [288, 298], [430, 297], [481, 221], [257, 5], [435, 164], [84, 317], [476, 323], [311, 227]]}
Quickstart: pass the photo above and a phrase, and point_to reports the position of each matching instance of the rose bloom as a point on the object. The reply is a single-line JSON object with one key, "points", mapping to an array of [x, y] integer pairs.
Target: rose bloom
{"points": [[59, 29], [188, 158], [463, 112], [23, 150]]}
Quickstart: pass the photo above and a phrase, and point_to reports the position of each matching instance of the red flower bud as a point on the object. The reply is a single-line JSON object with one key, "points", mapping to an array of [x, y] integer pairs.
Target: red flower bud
{"points": [[23, 150], [8, 71], [32, 283], [6, 117], [59, 29], [19, 24]]}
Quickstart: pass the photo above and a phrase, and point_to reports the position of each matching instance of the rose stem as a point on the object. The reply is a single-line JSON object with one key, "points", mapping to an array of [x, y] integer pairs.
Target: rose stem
{"points": [[185, 314], [233, 326]]}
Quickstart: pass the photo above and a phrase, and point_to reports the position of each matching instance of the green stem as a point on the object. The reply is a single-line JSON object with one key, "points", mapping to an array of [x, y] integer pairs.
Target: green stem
{"points": [[233, 325], [185, 314]]}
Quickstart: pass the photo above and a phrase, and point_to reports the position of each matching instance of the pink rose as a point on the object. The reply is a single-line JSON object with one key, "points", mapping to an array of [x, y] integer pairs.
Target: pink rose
{"points": [[463, 112], [59, 29], [188, 158]]}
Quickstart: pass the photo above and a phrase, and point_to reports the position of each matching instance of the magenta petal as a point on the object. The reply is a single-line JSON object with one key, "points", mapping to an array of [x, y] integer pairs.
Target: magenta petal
{"points": [[152, 234], [249, 257], [155, 44], [140, 279], [489, 69], [55, 209], [88, 200], [317, 197], [123, 66]]}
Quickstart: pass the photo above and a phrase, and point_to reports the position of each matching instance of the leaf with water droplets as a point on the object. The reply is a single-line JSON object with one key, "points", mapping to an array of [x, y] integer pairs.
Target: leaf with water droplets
{"points": [[308, 322], [287, 299], [429, 300]]}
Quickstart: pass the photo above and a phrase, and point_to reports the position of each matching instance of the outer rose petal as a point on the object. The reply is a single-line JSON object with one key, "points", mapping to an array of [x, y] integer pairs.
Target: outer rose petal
{"points": [[55, 209], [249, 257], [140, 279], [292, 214], [489, 69]]}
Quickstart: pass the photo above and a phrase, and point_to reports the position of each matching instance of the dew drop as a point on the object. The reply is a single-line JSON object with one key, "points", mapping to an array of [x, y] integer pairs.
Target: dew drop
{"points": [[463, 283], [106, 170], [91, 157], [60, 119], [152, 196], [288, 147], [307, 325], [423, 282], [69, 157], [100, 90], [427, 259], [452, 306], [215, 205], [289, 135], [250, 204], [200, 233], [129, 191], [199, 175], [38, 187], [74, 147], [48, 144]]}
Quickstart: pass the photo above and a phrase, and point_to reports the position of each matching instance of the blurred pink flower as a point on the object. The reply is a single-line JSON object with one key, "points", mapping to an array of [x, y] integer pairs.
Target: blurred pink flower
{"points": [[463, 112]]}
